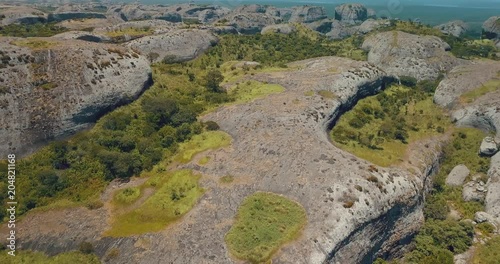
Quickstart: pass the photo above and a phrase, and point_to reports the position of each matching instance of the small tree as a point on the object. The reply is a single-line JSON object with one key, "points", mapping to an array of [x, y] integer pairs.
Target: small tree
{"points": [[213, 80]]}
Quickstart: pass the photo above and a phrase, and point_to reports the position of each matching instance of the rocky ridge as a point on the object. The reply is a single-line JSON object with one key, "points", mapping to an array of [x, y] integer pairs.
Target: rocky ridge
{"points": [[279, 145], [60, 87]]}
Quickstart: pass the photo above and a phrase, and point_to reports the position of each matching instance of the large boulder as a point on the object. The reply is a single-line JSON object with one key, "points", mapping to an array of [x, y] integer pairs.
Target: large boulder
{"points": [[351, 13], [457, 175], [455, 28], [307, 14], [372, 24], [341, 30], [404, 54], [491, 28], [322, 26], [488, 147], [52, 88], [174, 46], [251, 23]]}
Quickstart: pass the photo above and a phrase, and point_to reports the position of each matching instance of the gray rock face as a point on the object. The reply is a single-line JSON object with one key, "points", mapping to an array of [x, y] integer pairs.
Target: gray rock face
{"points": [[57, 17], [455, 28], [491, 27], [351, 13], [278, 145], [307, 14], [492, 203], [481, 217], [55, 91], [175, 46], [457, 175], [474, 191], [403, 54], [340, 30], [322, 26], [463, 79], [21, 15], [279, 28], [251, 23], [488, 147], [371, 24]]}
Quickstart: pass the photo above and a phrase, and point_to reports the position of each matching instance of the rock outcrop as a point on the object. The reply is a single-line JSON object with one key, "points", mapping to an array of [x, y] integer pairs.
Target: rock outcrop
{"points": [[21, 15], [372, 24], [464, 78], [492, 202], [474, 190], [455, 28], [403, 54], [279, 145], [489, 147], [174, 46], [457, 175], [491, 28], [306, 14], [52, 88], [279, 28], [83, 35], [351, 13], [340, 30]]}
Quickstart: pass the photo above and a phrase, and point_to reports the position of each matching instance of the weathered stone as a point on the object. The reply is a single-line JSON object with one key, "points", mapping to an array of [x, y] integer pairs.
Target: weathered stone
{"points": [[491, 28], [471, 192], [279, 28], [455, 28], [403, 54], [351, 13], [488, 147], [457, 175]]}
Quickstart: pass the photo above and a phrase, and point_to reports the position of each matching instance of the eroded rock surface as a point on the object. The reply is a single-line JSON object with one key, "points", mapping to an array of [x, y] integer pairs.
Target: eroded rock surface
{"points": [[351, 13], [491, 27], [455, 28], [280, 145], [457, 175], [21, 15], [404, 54], [175, 46], [62, 87]]}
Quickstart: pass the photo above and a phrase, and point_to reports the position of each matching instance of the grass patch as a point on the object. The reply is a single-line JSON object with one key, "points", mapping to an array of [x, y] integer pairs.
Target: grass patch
{"points": [[226, 179], [48, 86], [131, 31], [204, 160], [34, 43], [489, 253], [127, 195], [379, 128], [202, 142], [327, 94], [25, 256], [309, 93], [251, 90], [264, 222], [487, 87], [176, 193]]}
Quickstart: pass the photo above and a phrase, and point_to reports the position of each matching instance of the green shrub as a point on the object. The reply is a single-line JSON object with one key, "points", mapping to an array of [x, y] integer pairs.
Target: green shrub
{"points": [[86, 248], [211, 126]]}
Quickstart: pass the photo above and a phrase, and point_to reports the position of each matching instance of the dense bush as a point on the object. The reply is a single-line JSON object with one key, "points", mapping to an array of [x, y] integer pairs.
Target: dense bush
{"points": [[34, 30]]}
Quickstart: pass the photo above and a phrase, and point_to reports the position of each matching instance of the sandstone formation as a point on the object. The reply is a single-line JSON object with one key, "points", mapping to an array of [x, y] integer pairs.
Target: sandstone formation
{"points": [[279, 145], [403, 54], [174, 46], [351, 13], [457, 175], [455, 28], [491, 28], [59, 87]]}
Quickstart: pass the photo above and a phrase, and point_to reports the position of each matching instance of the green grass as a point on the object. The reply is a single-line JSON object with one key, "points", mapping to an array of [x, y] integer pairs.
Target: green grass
{"points": [[24, 257], [487, 87], [327, 94], [130, 32], [251, 90], [127, 195], [48, 86], [489, 253], [176, 193], [202, 142], [34, 43], [419, 114], [264, 222], [309, 93], [226, 179], [204, 160]]}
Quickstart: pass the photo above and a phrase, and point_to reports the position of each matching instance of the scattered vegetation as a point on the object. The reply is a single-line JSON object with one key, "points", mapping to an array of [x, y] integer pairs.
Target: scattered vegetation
{"points": [[130, 31], [487, 87], [380, 127], [127, 195], [488, 253], [264, 222], [200, 143], [34, 43], [227, 179], [175, 194], [33, 30], [37, 257], [327, 94]]}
